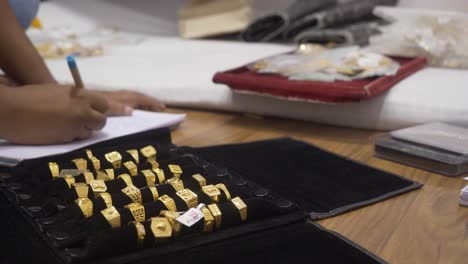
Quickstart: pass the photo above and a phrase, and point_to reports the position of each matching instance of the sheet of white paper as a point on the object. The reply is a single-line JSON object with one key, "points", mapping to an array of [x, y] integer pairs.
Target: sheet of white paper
{"points": [[115, 127]]}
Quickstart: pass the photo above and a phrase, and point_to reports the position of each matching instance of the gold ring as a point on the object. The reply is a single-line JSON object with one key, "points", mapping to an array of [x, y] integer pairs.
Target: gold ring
{"points": [[88, 176], [209, 220], [190, 198], [81, 164], [150, 177], [161, 176], [89, 153], [176, 183], [149, 152], [54, 169], [115, 159], [168, 202], [172, 217], [134, 154], [100, 175], [112, 216], [161, 228], [107, 198], [81, 189], [86, 206], [133, 193], [110, 174], [70, 180], [154, 163], [126, 178], [241, 206], [212, 192], [176, 170], [141, 233], [96, 163], [200, 179], [155, 193], [98, 186], [217, 215], [138, 211], [131, 167], [223, 188]]}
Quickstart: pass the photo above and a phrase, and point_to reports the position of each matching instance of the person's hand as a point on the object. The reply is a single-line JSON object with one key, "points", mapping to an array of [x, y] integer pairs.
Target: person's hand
{"points": [[123, 102], [48, 114]]}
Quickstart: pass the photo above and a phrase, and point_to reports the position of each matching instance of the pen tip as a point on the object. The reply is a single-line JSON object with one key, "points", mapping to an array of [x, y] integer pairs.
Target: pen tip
{"points": [[71, 61]]}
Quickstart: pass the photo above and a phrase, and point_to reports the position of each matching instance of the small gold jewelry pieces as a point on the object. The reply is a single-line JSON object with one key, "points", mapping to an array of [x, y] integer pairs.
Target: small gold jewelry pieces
{"points": [[134, 154], [172, 217], [133, 193], [86, 206], [161, 228], [154, 163], [209, 220], [241, 206], [217, 215], [81, 189], [81, 164], [176, 183], [161, 176], [88, 176], [112, 216], [168, 202], [141, 233], [100, 175], [115, 159], [150, 177], [138, 211], [98, 186], [89, 153], [107, 199], [131, 167], [126, 178], [54, 169], [155, 193], [223, 188], [190, 198], [212, 192], [175, 169], [96, 163], [70, 180], [200, 179], [110, 174], [149, 152]]}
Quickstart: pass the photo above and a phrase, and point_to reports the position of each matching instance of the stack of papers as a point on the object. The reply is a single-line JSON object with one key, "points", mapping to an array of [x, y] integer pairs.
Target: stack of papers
{"points": [[139, 121]]}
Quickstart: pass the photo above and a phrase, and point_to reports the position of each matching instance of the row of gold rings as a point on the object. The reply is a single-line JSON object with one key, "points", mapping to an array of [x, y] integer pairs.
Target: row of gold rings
{"points": [[138, 211], [216, 213], [241, 206], [190, 198], [112, 216], [131, 167], [133, 193], [168, 202], [86, 206], [114, 158], [141, 233]]}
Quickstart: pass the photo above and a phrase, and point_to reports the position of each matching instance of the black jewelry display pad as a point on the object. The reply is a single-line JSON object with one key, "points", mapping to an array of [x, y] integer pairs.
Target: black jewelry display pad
{"points": [[309, 182]]}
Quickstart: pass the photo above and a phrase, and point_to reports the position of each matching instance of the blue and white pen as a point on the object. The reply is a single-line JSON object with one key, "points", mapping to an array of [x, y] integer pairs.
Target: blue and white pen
{"points": [[75, 73]]}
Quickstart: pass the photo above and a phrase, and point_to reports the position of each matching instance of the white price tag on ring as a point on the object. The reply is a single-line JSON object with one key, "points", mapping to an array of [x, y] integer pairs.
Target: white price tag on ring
{"points": [[192, 216]]}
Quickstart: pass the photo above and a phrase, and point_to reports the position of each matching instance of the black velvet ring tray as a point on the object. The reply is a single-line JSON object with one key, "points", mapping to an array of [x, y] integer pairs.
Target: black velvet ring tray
{"points": [[292, 183]]}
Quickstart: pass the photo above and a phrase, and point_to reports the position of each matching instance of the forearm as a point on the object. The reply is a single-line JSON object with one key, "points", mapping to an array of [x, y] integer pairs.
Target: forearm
{"points": [[18, 57], [5, 111]]}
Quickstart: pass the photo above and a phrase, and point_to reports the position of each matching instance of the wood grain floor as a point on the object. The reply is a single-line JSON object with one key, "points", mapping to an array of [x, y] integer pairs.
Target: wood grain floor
{"points": [[423, 226]]}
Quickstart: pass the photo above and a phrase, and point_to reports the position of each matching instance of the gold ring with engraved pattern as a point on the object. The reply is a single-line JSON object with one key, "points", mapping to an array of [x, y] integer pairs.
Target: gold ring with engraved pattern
{"points": [[133, 193], [168, 202], [114, 158], [241, 206], [212, 191], [217, 215], [81, 189], [189, 197], [138, 211], [86, 206], [112, 216]]}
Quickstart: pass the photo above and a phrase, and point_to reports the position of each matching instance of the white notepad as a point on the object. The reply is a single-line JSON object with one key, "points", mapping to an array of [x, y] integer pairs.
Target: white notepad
{"points": [[11, 154]]}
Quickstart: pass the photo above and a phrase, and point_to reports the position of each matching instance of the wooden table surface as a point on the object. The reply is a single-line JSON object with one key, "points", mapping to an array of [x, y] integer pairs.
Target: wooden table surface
{"points": [[423, 226]]}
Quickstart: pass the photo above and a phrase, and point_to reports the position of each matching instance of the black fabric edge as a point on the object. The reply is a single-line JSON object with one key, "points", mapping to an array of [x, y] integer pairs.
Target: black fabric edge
{"points": [[346, 208], [350, 242]]}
